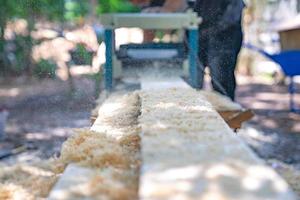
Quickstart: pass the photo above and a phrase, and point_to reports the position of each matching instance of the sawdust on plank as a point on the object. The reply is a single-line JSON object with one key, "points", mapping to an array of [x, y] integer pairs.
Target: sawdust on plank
{"points": [[112, 149], [24, 181], [114, 157], [196, 155], [92, 149]]}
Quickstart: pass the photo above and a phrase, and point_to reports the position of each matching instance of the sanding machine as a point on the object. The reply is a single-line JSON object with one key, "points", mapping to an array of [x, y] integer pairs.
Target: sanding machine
{"points": [[188, 22]]}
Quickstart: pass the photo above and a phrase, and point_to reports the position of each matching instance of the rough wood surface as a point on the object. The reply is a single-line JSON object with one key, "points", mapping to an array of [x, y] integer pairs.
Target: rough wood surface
{"points": [[189, 152], [75, 180], [107, 157]]}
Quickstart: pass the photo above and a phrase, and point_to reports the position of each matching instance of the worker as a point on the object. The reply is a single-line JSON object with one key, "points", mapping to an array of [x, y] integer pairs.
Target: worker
{"points": [[220, 38]]}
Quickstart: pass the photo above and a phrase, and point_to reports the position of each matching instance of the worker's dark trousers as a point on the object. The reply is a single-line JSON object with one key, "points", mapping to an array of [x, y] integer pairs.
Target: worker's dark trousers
{"points": [[219, 51]]}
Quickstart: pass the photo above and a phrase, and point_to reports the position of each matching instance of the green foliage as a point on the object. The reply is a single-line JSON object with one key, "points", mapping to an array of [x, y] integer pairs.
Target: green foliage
{"points": [[19, 60], [50, 9], [31, 10], [45, 69], [18, 55], [54, 10], [75, 9], [81, 56], [116, 6]]}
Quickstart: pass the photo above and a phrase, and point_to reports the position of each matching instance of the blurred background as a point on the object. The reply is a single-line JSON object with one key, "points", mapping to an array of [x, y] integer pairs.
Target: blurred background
{"points": [[51, 65]]}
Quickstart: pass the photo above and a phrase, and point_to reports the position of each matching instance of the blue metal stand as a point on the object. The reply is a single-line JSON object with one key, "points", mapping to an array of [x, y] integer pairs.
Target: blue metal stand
{"points": [[289, 63], [193, 56], [108, 71], [292, 90]]}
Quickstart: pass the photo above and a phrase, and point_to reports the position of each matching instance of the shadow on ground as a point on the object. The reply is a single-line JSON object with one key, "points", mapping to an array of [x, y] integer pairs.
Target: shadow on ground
{"points": [[274, 133], [42, 118]]}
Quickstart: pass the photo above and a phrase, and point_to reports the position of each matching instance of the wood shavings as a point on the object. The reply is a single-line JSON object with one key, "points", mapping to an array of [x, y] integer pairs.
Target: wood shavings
{"points": [[26, 182], [93, 149], [189, 152], [114, 138], [109, 154], [118, 116], [14, 192], [112, 154]]}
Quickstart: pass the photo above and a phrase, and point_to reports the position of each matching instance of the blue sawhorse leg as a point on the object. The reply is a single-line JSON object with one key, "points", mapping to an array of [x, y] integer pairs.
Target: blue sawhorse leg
{"points": [[193, 56], [292, 90], [108, 71]]}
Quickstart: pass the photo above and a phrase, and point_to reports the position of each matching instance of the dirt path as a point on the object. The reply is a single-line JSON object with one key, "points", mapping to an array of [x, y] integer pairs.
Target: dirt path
{"points": [[43, 117], [274, 133]]}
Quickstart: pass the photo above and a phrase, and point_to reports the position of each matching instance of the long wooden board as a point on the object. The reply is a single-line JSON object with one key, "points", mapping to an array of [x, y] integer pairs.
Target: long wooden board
{"points": [[189, 152], [73, 182]]}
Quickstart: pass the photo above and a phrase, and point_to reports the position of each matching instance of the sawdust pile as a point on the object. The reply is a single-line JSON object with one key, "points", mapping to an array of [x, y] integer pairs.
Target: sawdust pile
{"points": [[97, 150], [26, 182], [112, 151], [11, 191], [177, 109], [111, 147]]}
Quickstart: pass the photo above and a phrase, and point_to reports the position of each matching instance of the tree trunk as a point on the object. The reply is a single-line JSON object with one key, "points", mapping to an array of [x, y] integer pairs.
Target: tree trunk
{"points": [[3, 63], [29, 44], [93, 13], [2, 44]]}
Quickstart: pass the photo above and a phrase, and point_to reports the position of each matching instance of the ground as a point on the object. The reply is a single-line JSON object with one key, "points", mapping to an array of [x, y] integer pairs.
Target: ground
{"points": [[274, 132], [43, 114]]}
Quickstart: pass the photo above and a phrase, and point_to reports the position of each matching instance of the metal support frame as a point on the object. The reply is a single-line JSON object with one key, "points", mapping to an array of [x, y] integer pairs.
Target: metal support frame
{"points": [[193, 56], [187, 21], [151, 20], [108, 69]]}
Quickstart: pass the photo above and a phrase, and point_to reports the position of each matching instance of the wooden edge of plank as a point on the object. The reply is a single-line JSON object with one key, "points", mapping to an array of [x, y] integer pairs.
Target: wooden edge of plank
{"points": [[73, 181], [235, 118]]}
